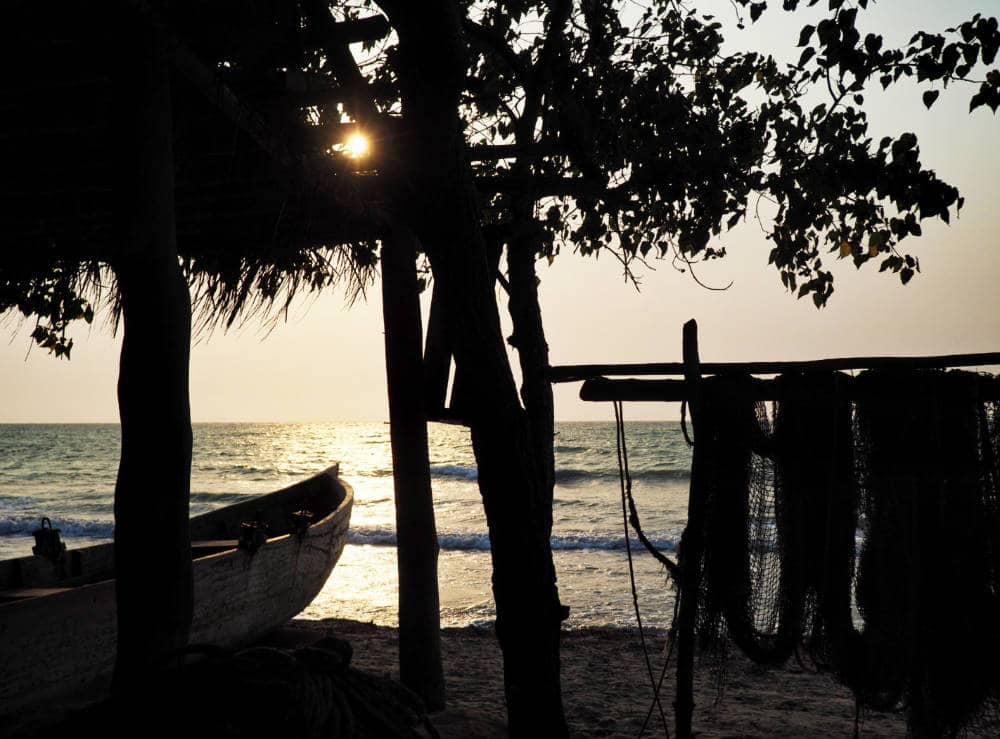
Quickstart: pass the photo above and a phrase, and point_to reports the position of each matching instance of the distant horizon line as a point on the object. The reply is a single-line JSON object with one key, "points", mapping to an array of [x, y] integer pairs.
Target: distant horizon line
{"points": [[383, 421]]}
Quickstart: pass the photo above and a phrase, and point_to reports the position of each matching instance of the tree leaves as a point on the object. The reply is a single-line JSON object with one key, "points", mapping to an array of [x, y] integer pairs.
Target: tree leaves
{"points": [[989, 94], [52, 296], [665, 151]]}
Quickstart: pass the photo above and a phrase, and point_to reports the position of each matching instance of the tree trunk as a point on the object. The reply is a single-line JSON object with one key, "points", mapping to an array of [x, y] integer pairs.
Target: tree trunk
{"points": [[446, 215], [152, 535], [522, 249], [417, 546], [532, 350]]}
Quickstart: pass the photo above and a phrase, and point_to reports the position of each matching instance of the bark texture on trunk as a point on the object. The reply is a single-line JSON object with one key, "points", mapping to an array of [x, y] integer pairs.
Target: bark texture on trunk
{"points": [[523, 247], [417, 546], [532, 350], [446, 214], [152, 535]]}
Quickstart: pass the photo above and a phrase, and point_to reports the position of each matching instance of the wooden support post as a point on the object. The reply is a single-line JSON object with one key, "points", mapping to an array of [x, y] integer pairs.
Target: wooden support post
{"points": [[417, 546], [152, 543], [437, 356], [690, 552]]}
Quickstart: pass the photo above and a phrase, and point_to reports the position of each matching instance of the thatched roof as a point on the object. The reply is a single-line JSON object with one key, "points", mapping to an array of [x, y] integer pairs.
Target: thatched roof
{"points": [[256, 195]]}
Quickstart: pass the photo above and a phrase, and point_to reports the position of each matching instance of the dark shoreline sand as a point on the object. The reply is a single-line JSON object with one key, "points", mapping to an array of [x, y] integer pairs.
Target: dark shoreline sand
{"points": [[606, 689]]}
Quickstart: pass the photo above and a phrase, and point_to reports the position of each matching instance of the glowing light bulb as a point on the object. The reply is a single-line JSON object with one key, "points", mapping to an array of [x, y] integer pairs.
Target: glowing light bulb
{"points": [[356, 145]]}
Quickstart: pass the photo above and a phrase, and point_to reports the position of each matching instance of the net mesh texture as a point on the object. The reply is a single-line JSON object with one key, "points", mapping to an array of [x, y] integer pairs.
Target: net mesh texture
{"points": [[859, 531]]}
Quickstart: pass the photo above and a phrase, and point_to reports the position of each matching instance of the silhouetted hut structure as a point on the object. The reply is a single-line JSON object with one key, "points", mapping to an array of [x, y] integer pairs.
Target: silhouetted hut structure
{"points": [[254, 183], [147, 147]]}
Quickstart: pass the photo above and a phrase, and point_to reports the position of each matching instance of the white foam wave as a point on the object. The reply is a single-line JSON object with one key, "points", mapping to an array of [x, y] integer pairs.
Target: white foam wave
{"points": [[477, 542], [83, 528], [568, 476]]}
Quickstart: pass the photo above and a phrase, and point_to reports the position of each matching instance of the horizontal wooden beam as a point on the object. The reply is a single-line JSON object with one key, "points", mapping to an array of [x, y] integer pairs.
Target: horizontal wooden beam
{"points": [[601, 389], [578, 372]]}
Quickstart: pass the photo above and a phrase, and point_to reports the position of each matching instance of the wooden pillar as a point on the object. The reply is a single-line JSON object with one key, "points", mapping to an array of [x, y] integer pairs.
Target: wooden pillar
{"points": [[152, 535], [416, 535], [690, 553]]}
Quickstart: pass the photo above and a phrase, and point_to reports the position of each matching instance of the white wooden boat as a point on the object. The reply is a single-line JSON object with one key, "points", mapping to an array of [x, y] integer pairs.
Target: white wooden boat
{"points": [[57, 619]]}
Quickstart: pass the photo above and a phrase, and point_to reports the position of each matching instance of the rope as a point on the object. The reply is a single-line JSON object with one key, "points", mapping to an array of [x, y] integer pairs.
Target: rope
{"points": [[671, 640], [625, 481], [672, 567]]}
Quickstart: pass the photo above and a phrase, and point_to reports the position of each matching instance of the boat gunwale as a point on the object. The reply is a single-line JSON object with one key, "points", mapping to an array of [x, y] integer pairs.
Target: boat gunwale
{"points": [[21, 689], [315, 528]]}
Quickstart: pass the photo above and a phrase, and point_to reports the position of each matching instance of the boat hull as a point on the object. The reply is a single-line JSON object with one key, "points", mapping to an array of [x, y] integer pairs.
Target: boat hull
{"points": [[64, 639]]}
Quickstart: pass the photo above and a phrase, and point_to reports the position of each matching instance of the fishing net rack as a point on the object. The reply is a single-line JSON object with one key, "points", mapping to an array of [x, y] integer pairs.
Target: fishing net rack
{"points": [[688, 571]]}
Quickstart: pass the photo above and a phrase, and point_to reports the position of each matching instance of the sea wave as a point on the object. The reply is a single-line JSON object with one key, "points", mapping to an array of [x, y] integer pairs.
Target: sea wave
{"points": [[249, 469], [370, 472], [454, 470], [573, 476], [84, 528], [570, 476], [477, 542], [359, 502]]}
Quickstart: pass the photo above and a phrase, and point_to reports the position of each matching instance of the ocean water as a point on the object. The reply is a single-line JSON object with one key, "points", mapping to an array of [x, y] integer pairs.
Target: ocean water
{"points": [[67, 472]]}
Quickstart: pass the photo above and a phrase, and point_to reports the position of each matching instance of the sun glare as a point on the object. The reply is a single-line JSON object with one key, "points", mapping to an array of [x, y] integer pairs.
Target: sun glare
{"points": [[357, 145]]}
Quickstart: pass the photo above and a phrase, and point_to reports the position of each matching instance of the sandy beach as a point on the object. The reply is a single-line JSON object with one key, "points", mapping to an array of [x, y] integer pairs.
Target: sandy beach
{"points": [[606, 688]]}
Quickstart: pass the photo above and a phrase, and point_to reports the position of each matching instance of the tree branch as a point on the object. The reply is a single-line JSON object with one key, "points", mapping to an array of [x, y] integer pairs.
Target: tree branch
{"points": [[491, 41], [541, 73]]}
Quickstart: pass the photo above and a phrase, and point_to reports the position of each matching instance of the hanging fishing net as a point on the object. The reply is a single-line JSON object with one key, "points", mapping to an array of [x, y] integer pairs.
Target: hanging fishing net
{"points": [[856, 522], [741, 591]]}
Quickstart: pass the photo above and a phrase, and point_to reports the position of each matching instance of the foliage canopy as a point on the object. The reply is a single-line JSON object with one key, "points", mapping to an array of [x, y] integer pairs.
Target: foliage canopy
{"points": [[630, 128], [668, 140]]}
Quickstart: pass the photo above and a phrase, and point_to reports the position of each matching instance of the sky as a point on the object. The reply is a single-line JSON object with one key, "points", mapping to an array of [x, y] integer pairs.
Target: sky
{"points": [[326, 363]]}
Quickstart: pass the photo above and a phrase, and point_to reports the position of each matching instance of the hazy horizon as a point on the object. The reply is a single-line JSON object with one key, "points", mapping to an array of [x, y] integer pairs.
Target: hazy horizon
{"points": [[291, 423]]}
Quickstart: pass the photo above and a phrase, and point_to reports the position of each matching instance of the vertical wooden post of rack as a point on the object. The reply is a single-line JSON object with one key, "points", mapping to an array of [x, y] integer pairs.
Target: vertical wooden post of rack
{"points": [[690, 553], [417, 544]]}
